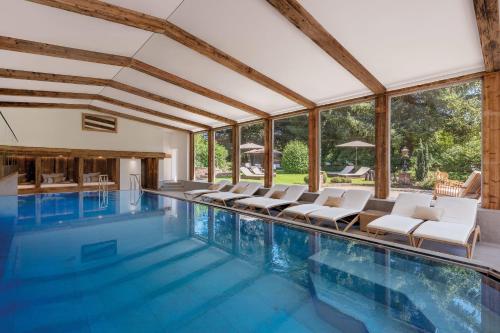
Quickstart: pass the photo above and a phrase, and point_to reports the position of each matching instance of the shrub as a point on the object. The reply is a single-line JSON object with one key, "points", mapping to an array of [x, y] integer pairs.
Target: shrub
{"points": [[423, 161], [323, 179], [340, 180], [295, 157]]}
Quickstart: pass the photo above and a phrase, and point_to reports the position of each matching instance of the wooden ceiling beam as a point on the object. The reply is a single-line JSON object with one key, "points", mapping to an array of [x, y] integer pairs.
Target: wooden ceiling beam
{"points": [[116, 14], [488, 26], [72, 95], [196, 88], [36, 76], [305, 22], [168, 101], [48, 77], [36, 105], [26, 46]]}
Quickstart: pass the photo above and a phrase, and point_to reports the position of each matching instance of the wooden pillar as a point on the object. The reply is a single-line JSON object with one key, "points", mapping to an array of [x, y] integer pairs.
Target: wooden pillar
{"points": [[382, 133], [191, 157], [79, 172], [211, 155], [314, 150], [38, 171], [117, 173], [491, 141], [268, 153], [236, 154]]}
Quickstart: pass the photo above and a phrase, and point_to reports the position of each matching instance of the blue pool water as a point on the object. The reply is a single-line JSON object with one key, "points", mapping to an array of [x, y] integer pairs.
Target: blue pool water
{"points": [[125, 263]]}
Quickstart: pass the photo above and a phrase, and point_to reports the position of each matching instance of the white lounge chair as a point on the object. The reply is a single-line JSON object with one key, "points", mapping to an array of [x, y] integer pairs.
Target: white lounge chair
{"points": [[400, 221], [217, 187], [247, 190], [266, 203], [455, 226], [353, 203], [360, 173], [300, 211], [257, 171], [343, 172], [247, 174]]}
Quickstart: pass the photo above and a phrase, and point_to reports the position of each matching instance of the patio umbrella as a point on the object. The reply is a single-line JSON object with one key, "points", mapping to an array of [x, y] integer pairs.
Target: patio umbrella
{"points": [[356, 144], [251, 145], [261, 151]]}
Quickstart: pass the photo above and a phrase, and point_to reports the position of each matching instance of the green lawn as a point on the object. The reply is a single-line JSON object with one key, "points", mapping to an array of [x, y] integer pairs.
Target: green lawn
{"points": [[297, 178]]}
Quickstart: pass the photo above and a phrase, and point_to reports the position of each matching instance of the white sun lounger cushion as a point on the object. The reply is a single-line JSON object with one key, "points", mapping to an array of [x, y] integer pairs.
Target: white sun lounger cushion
{"points": [[456, 223], [292, 194], [305, 209], [199, 192], [332, 214], [407, 202], [444, 231], [395, 223], [261, 202]]}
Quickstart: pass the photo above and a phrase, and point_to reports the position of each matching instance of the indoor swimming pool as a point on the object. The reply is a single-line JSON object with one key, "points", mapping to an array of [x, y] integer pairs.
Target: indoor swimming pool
{"points": [[125, 262]]}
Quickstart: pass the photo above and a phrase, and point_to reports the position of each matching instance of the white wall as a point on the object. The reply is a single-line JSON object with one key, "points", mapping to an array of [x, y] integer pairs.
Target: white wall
{"points": [[57, 128], [128, 167]]}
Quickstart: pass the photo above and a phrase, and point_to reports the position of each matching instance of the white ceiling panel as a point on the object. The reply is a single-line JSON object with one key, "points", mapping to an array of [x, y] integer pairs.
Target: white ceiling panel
{"points": [[173, 57], [157, 8], [147, 103], [31, 21], [259, 36], [404, 41], [30, 99], [141, 115], [165, 89], [50, 86], [37, 63]]}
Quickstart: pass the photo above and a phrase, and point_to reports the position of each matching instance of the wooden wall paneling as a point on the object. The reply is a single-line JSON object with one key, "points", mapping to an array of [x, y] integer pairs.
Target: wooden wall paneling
{"points": [[116, 174], [84, 153], [314, 151], [268, 152], [491, 139], [38, 172], [211, 156], [382, 133], [79, 171], [236, 154], [191, 157]]}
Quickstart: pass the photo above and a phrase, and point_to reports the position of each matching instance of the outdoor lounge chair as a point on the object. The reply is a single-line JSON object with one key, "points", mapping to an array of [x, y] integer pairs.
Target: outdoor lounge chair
{"points": [[247, 174], [401, 220], [300, 211], [455, 226], [354, 202], [360, 173], [471, 188], [247, 190], [217, 187], [266, 203], [257, 171], [343, 172]]}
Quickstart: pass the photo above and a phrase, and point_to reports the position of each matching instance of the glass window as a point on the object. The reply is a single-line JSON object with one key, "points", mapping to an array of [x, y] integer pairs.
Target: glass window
{"points": [[348, 146], [291, 150], [436, 141], [223, 154], [201, 156], [252, 152]]}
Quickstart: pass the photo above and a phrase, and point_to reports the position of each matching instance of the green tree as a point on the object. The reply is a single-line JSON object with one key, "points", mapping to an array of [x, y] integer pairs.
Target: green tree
{"points": [[201, 153], [295, 157], [201, 150]]}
